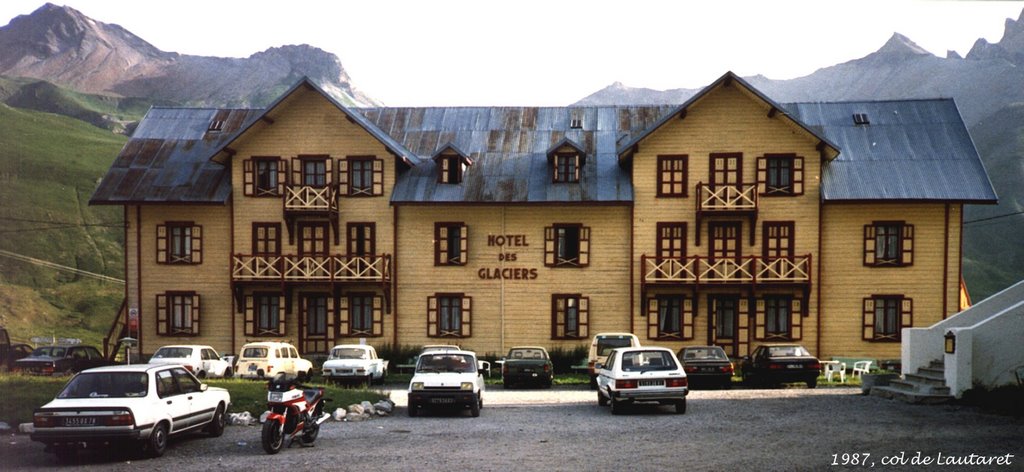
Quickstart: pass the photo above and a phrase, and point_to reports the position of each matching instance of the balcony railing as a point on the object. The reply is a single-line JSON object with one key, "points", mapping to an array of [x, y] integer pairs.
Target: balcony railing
{"points": [[301, 198], [326, 268], [744, 270], [726, 197]]}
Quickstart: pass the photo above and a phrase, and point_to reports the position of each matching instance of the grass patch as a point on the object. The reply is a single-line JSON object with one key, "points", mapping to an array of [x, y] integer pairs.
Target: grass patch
{"points": [[251, 396]]}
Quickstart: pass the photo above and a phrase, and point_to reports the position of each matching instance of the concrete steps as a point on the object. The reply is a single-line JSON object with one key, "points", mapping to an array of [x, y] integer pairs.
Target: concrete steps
{"points": [[927, 386]]}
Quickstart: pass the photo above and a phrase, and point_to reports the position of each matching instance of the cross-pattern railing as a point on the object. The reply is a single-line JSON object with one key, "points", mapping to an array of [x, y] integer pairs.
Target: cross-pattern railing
{"points": [[321, 268], [726, 197], [306, 198], [743, 270]]}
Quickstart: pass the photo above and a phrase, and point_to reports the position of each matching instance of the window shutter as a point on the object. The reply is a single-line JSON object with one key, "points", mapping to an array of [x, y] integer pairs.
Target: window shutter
{"points": [[330, 317], [869, 245], [343, 177], [549, 246], [576, 168], [584, 315], [557, 320], [463, 244], [344, 318], [907, 245], [248, 177], [161, 314], [652, 318], [906, 315], [329, 172], [161, 244], [282, 304], [762, 175], [197, 244], [432, 316], [798, 176], [869, 319], [796, 318], [195, 314], [584, 246], [378, 177], [250, 316], [282, 175], [713, 332], [378, 315], [759, 316], [296, 171], [467, 317], [441, 245], [442, 174], [687, 324]]}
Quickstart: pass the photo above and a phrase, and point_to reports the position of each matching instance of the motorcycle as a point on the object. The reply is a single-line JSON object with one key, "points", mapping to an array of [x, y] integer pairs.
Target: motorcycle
{"points": [[296, 411]]}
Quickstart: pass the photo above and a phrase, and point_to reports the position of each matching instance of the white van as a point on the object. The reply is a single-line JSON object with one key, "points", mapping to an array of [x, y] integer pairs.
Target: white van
{"points": [[602, 345], [264, 360]]}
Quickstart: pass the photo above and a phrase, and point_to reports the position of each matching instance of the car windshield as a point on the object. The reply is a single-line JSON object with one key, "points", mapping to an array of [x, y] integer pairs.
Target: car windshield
{"points": [[605, 345], [254, 352], [443, 362], [701, 354], [349, 353], [527, 354], [172, 353], [643, 361], [52, 351], [106, 385], [787, 351]]}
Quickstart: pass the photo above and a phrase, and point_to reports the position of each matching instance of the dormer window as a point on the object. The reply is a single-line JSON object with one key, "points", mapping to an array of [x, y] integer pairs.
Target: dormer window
{"points": [[451, 164], [216, 125], [567, 160], [576, 120], [861, 119]]}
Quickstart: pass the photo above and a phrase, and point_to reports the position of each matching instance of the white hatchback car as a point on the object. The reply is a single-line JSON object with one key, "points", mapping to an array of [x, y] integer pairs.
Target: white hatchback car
{"points": [[202, 361], [446, 378], [264, 360], [641, 374], [129, 403]]}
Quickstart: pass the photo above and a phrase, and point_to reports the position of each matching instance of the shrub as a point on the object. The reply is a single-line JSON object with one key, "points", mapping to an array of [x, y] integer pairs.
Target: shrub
{"points": [[563, 359]]}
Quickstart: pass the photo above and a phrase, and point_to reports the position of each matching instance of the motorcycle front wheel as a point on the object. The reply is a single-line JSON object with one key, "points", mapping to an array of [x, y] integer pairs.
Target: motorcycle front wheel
{"points": [[272, 437]]}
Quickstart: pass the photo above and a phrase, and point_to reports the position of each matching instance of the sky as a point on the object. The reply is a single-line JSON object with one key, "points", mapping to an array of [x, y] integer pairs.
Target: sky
{"points": [[549, 52]]}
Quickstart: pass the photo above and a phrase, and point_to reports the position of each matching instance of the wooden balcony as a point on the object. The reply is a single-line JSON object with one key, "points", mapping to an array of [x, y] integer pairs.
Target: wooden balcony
{"points": [[305, 199], [326, 269], [700, 270], [726, 200]]}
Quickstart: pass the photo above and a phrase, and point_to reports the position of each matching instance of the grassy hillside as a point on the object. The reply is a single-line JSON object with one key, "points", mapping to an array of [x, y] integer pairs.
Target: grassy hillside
{"points": [[116, 114], [49, 166]]}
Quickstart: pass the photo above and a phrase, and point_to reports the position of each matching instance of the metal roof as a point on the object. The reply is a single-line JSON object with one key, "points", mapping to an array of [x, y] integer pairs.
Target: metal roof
{"points": [[508, 147], [167, 160], [910, 150]]}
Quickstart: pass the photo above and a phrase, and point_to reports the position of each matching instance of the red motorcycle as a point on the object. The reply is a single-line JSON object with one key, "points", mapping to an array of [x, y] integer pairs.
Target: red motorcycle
{"points": [[296, 411]]}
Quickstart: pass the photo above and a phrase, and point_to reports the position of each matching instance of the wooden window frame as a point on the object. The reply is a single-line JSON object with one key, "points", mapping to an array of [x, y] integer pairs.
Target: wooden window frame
{"points": [[251, 177], [434, 303], [325, 242], [442, 248], [767, 237], [904, 239], [264, 242], [299, 170], [667, 174], [904, 317], [663, 247], [713, 252], [346, 326], [165, 320], [165, 242], [559, 309], [252, 322], [450, 169], [714, 170], [795, 323], [686, 316], [796, 175], [552, 246], [565, 168], [349, 241], [374, 169]]}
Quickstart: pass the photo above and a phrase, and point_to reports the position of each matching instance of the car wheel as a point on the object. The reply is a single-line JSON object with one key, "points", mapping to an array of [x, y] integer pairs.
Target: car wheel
{"points": [[811, 383], [414, 410], [681, 407], [616, 407], [474, 409], [506, 384], [157, 443], [601, 400], [259, 373], [271, 437], [727, 384], [593, 383], [228, 373], [202, 374], [216, 426]]}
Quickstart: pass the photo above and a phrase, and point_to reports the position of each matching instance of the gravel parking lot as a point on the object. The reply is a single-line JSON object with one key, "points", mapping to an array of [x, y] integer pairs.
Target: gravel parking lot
{"points": [[564, 429]]}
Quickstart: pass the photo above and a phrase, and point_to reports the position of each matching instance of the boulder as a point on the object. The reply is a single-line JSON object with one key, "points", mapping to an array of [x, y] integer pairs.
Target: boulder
{"points": [[368, 408], [384, 407], [240, 419], [340, 414], [26, 428], [355, 409]]}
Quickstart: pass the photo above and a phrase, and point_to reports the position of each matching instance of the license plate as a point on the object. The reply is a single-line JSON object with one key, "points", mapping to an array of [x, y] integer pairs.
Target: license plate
{"points": [[651, 383], [794, 366], [86, 421], [442, 400], [534, 374], [252, 367], [707, 369]]}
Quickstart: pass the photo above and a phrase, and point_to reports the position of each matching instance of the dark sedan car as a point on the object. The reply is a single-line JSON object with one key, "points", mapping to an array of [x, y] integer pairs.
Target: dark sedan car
{"points": [[772, 364], [706, 365], [60, 360]]}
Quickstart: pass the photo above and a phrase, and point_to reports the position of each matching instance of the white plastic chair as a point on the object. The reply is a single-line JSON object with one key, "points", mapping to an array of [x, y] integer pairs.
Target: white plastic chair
{"points": [[833, 368], [861, 367]]}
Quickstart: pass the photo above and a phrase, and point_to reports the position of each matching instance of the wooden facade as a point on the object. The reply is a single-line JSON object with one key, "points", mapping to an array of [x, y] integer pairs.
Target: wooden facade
{"points": [[726, 240]]}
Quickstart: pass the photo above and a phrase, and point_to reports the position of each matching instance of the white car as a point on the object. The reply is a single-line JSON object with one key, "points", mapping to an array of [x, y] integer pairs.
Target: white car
{"points": [[641, 374], [202, 361], [449, 378], [601, 345], [142, 403], [264, 360], [358, 362]]}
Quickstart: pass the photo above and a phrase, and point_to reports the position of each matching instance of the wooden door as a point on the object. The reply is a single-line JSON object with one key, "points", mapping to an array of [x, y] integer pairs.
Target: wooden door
{"points": [[725, 240], [778, 240], [726, 169], [313, 238], [361, 239], [729, 325]]}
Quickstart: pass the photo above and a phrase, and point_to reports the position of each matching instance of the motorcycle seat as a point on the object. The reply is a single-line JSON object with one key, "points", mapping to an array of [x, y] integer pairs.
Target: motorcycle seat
{"points": [[310, 394]]}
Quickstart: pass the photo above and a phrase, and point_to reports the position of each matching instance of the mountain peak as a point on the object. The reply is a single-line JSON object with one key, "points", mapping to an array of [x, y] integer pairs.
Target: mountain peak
{"points": [[903, 46]]}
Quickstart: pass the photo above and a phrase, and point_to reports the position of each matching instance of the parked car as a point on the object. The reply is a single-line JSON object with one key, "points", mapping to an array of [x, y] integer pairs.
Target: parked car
{"points": [[439, 347], [601, 345], [354, 362], [129, 403], [449, 379], [771, 364], [61, 360], [202, 361], [527, 365], [706, 365], [639, 375], [264, 360]]}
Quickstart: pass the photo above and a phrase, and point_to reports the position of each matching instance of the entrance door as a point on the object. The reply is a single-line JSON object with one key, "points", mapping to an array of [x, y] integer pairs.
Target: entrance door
{"points": [[730, 324]]}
